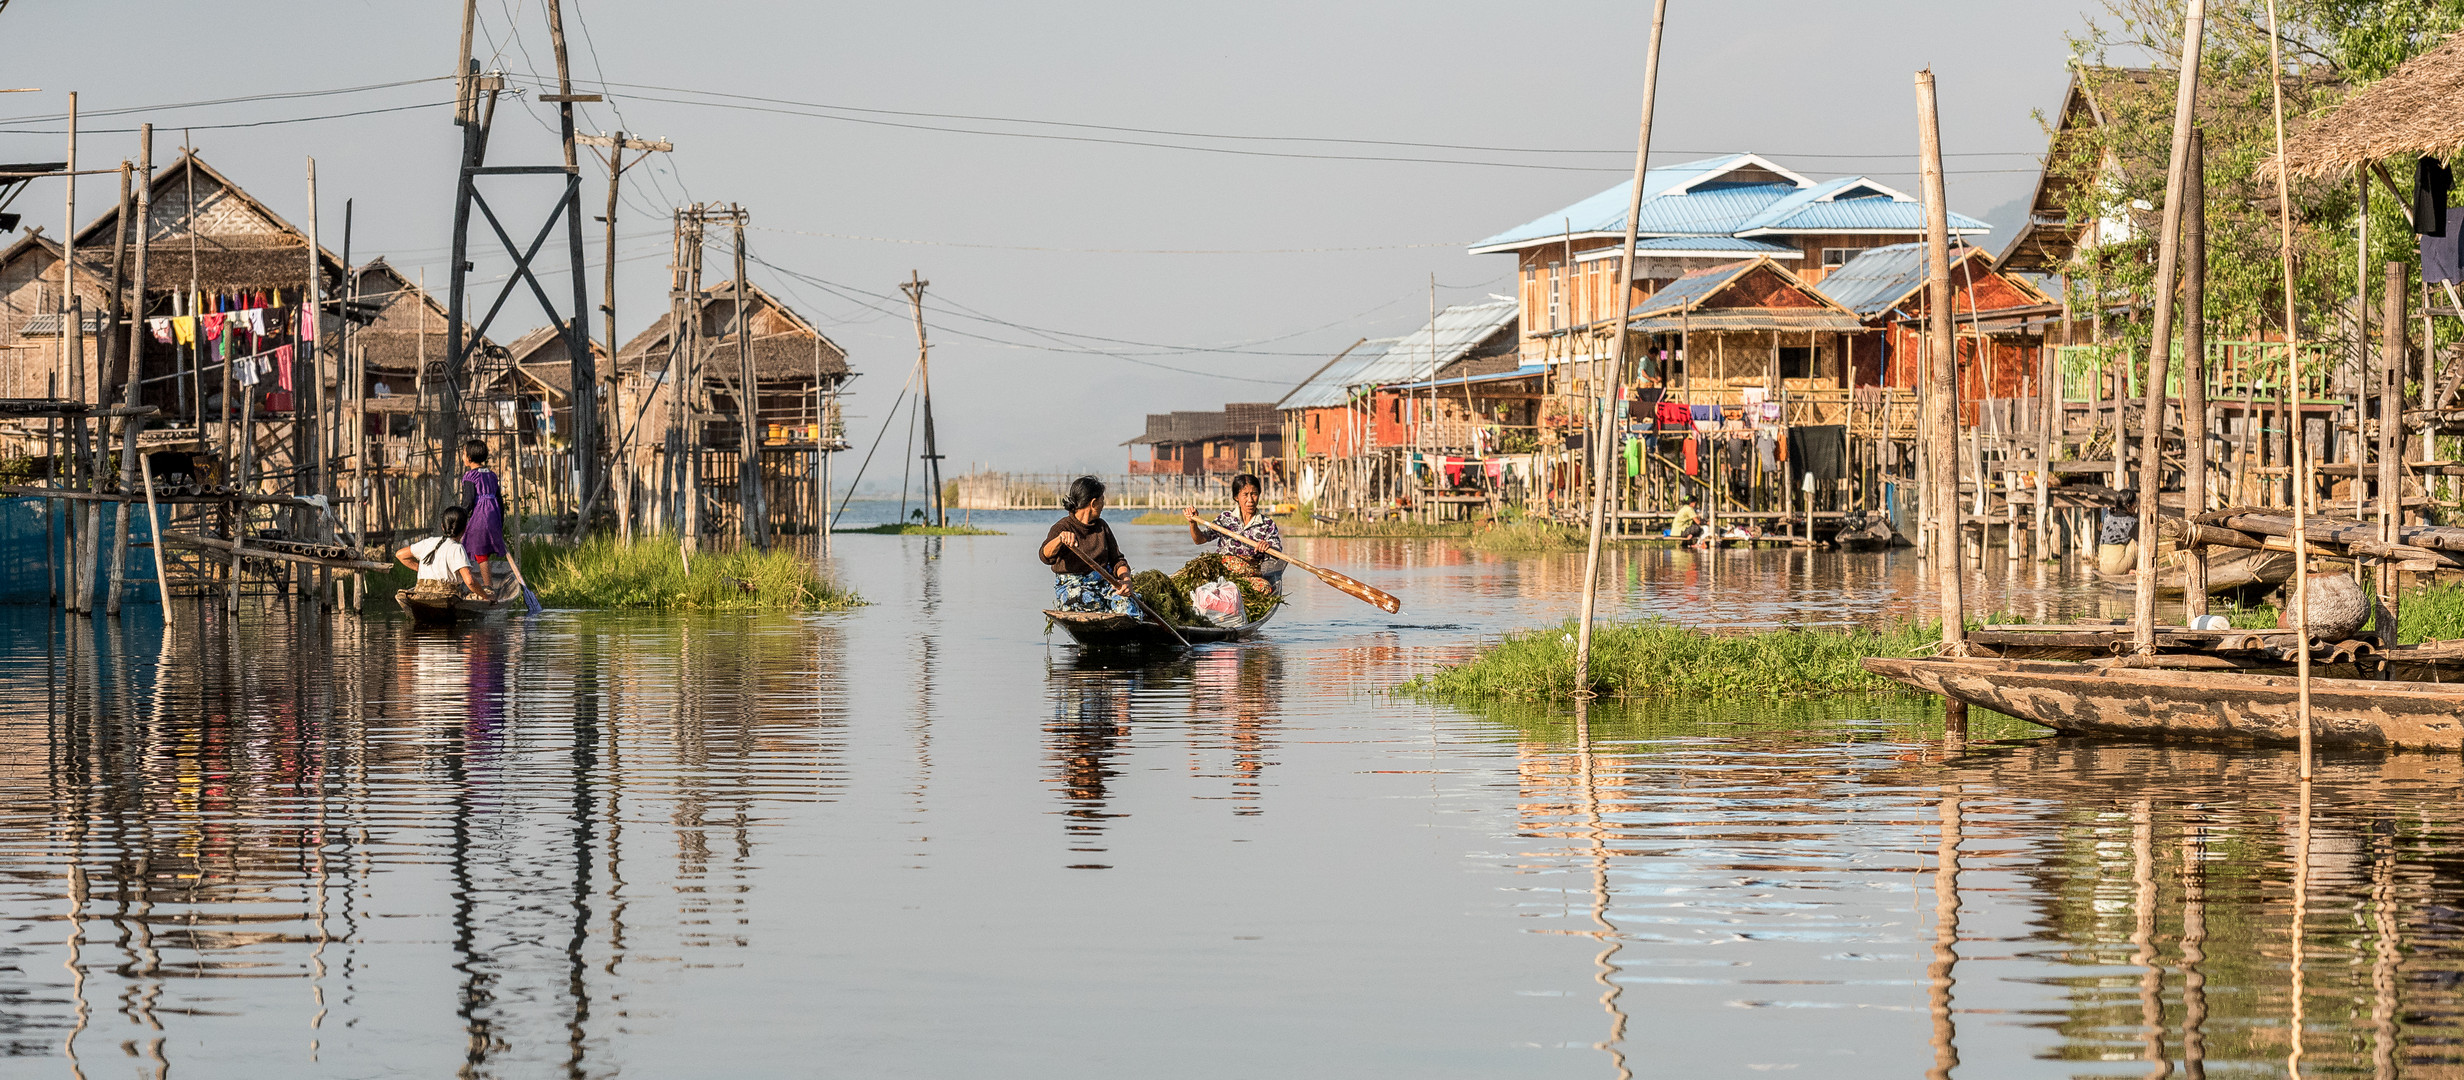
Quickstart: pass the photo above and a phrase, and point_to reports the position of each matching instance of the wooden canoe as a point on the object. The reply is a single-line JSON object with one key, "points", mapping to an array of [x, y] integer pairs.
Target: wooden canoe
{"points": [[2202, 706], [2228, 570], [1100, 630], [446, 611]]}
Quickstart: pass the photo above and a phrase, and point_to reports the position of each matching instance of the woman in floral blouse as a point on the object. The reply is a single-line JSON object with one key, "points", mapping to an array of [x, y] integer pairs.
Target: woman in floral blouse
{"points": [[1262, 571]]}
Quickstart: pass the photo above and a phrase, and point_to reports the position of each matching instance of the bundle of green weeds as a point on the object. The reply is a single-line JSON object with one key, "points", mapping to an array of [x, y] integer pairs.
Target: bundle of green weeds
{"points": [[1163, 597], [1255, 602]]}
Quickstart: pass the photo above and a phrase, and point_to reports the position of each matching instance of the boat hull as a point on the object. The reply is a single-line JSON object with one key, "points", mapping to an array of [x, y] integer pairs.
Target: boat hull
{"points": [[1099, 630], [2203, 706], [433, 611]]}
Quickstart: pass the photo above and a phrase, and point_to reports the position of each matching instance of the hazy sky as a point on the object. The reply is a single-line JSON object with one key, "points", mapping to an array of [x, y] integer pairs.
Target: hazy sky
{"points": [[1081, 275]]}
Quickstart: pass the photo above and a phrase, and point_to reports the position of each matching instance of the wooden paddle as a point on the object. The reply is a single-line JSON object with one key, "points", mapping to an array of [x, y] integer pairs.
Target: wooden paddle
{"points": [[1359, 590], [1117, 583]]}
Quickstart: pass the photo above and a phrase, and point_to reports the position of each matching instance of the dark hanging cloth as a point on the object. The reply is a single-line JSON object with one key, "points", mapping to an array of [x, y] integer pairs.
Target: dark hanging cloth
{"points": [[2442, 257], [2431, 182], [1821, 450]]}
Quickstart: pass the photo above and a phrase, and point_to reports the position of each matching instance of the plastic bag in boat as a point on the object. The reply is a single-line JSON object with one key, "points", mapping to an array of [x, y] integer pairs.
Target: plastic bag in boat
{"points": [[1218, 602]]}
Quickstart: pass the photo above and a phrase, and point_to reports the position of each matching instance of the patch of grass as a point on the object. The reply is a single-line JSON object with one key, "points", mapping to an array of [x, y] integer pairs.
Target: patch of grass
{"points": [[1156, 517], [605, 572], [2425, 613], [923, 530], [1656, 658], [1529, 534]]}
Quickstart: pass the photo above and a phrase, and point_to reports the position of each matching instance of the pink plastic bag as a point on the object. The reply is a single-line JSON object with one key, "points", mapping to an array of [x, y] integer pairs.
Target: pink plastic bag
{"points": [[1219, 602]]}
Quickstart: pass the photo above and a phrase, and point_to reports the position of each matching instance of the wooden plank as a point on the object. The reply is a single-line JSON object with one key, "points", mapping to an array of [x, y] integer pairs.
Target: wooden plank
{"points": [[207, 543]]}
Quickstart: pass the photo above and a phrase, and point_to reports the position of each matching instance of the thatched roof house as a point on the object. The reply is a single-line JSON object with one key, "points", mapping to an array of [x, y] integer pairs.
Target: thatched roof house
{"points": [[2411, 113], [795, 366]]}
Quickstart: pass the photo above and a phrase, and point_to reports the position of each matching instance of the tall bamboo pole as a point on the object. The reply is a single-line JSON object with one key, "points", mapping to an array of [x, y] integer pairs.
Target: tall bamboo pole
{"points": [[2390, 444], [2194, 369], [1624, 299], [2292, 359], [1941, 379], [2160, 337]]}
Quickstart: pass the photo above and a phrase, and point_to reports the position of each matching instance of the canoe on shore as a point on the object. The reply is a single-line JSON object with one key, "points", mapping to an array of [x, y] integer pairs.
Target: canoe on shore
{"points": [[1097, 629], [2228, 570], [2203, 706], [446, 611]]}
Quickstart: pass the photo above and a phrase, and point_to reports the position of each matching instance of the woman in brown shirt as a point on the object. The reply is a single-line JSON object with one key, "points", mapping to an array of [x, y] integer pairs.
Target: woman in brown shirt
{"points": [[1076, 545]]}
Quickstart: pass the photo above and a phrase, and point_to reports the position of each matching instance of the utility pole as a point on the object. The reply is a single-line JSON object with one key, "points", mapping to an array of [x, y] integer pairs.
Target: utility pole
{"points": [[620, 472], [748, 425], [475, 110], [914, 288], [685, 335], [1624, 299]]}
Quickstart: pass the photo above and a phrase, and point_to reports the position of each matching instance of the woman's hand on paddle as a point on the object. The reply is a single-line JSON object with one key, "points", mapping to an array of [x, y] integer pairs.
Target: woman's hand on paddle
{"points": [[1190, 513]]}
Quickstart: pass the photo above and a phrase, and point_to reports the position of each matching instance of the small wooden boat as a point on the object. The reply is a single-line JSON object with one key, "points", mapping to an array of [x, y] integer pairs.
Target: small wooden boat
{"points": [[1103, 630], [2196, 705], [1873, 533], [448, 610]]}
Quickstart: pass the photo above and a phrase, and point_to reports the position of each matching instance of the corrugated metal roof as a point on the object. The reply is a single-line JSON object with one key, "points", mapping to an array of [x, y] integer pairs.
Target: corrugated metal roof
{"points": [[1672, 206], [1688, 290], [1522, 372], [1459, 330], [1878, 279], [1667, 308], [1331, 387]]}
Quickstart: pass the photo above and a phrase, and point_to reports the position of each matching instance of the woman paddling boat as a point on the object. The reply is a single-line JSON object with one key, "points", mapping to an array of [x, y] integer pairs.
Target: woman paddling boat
{"points": [[1082, 535], [1259, 569]]}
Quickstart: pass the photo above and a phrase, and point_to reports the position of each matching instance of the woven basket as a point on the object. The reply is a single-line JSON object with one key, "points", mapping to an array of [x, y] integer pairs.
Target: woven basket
{"points": [[2338, 607], [432, 589]]}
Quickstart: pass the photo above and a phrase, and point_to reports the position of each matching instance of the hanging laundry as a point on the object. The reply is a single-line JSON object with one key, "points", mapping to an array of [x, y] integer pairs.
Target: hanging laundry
{"points": [[1495, 468], [184, 328], [1751, 396], [161, 329], [1766, 448], [1770, 412], [307, 325], [254, 319], [213, 325], [1675, 413], [1694, 457], [2431, 182], [1634, 456], [1454, 471], [244, 372], [282, 367]]}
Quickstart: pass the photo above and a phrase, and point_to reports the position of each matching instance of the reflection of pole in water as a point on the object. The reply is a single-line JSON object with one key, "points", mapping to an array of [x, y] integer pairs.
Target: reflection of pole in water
{"points": [[585, 683], [2194, 953], [2143, 938], [1610, 940], [1938, 974], [2301, 917], [2383, 964]]}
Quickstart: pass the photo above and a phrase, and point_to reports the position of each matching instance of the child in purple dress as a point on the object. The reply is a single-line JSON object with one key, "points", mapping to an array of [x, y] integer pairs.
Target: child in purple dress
{"points": [[484, 536]]}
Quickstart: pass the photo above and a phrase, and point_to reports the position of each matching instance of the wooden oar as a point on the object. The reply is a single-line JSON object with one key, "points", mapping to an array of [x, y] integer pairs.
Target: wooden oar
{"points": [[1117, 583], [1359, 590]]}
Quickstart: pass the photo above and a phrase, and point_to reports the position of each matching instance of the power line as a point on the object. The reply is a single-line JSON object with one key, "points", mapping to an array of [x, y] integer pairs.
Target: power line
{"points": [[279, 96], [84, 130]]}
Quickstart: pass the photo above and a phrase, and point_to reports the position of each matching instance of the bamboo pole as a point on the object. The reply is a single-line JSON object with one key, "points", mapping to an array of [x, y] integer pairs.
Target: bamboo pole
{"points": [[2390, 446], [1623, 299], [2301, 493], [2194, 369], [154, 532], [1941, 437], [2160, 338]]}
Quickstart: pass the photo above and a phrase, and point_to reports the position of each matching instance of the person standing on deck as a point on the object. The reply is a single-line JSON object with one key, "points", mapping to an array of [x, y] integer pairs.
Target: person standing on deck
{"points": [[1079, 543], [484, 537], [1262, 570]]}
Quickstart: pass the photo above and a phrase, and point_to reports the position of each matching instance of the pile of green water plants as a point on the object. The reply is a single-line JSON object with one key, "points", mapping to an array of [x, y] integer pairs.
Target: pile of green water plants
{"points": [[650, 572], [1167, 595], [1659, 658]]}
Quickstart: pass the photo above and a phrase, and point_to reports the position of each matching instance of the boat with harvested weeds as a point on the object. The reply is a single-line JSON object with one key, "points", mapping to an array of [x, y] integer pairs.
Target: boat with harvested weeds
{"points": [[1101, 629]]}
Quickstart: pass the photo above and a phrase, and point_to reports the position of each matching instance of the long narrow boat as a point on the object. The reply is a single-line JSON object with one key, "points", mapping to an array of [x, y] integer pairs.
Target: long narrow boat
{"points": [[1096, 629], [446, 611], [2196, 705]]}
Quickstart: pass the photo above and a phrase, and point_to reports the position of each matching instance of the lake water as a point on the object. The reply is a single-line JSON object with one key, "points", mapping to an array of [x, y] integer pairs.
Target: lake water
{"points": [[923, 839]]}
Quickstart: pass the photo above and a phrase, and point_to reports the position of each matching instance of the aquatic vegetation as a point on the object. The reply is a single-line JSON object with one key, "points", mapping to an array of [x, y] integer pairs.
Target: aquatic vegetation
{"points": [[1657, 657], [915, 529], [2423, 613], [1167, 595], [1530, 534], [605, 572], [1157, 517]]}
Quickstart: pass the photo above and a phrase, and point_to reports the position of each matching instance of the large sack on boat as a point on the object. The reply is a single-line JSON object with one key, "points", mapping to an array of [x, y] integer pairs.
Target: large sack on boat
{"points": [[2338, 607], [1219, 602]]}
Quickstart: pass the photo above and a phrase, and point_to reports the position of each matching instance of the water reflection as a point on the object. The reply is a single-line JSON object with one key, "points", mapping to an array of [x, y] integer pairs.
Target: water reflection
{"points": [[684, 846]]}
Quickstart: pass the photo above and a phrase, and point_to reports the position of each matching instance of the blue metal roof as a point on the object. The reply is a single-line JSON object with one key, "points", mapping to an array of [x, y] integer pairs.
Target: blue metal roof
{"points": [[1690, 200], [1721, 244], [1523, 372], [1879, 279], [1685, 291]]}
